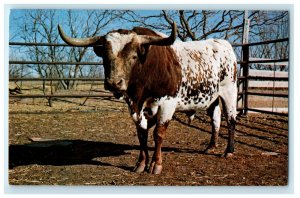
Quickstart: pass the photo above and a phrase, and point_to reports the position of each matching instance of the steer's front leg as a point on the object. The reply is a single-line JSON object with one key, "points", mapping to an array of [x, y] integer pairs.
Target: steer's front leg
{"points": [[159, 134], [144, 156], [143, 160], [164, 115]]}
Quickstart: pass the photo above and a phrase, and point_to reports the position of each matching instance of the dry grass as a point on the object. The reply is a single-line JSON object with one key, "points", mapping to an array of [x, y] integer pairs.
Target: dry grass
{"points": [[96, 144]]}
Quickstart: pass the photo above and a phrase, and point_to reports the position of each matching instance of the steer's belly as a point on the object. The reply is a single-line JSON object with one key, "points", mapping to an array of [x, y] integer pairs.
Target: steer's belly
{"points": [[194, 103]]}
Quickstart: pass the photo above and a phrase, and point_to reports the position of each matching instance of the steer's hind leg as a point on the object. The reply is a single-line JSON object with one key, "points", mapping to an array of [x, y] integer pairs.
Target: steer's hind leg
{"points": [[229, 106], [214, 112]]}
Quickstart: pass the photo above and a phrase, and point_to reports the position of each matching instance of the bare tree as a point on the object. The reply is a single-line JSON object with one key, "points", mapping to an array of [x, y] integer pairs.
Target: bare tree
{"points": [[91, 25], [193, 24], [270, 26], [41, 27], [225, 24]]}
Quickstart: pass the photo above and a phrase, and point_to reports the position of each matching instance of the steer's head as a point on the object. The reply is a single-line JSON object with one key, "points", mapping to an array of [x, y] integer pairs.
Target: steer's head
{"points": [[121, 50]]}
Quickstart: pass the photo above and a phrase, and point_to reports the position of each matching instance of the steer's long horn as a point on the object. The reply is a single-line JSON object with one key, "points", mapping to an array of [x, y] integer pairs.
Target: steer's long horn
{"points": [[155, 40], [80, 42]]}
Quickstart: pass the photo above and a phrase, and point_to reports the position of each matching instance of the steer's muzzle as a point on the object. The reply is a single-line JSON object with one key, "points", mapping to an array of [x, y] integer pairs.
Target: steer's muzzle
{"points": [[116, 86]]}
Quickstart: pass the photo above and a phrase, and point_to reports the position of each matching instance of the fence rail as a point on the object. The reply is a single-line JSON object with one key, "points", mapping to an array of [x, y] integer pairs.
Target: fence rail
{"points": [[264, 61], [100, 95], [263, 94], [40, 44], [56, 79], [244, 78], [261, 43], [53, 63]]}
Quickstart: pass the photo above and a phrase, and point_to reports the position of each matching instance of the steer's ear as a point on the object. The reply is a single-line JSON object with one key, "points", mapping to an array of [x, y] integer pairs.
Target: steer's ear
{"points": [[142, 52], [99, 50]]}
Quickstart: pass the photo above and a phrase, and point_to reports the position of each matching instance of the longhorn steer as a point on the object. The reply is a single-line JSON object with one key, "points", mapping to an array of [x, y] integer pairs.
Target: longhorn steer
{"points": [[157, 75]]}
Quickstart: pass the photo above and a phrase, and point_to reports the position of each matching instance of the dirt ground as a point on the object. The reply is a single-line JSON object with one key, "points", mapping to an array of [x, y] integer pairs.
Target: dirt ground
{"points": [[96, 144]]}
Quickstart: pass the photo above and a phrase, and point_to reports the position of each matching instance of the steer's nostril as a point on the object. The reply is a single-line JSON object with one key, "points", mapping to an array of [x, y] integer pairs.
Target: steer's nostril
{"points": [[120, 82], [116, 84]]}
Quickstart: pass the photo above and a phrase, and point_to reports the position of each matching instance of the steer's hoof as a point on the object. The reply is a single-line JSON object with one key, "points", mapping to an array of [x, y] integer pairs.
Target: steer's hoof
{"points": [[210, 149], [139, 167], [155, 168], [227, 155]]}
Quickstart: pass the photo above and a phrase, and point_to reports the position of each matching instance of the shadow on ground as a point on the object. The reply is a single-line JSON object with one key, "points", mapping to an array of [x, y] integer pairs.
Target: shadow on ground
{"points": [[72, 152], [64, 152]]}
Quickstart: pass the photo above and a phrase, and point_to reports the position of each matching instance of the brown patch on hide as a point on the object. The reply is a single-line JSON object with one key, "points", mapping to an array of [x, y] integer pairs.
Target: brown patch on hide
{"points": [[122, 31], [155, 75], [155, 71], [234, 71], [159, 75], [144, 31]]}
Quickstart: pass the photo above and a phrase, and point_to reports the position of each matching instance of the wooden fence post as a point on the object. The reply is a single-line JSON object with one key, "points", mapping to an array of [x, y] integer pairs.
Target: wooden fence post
{"points": [[245, 59], [245, 66]]}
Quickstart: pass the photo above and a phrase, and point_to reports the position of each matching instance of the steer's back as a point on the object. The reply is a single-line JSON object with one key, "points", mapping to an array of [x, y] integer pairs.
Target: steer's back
{"points": [[208, 67]]}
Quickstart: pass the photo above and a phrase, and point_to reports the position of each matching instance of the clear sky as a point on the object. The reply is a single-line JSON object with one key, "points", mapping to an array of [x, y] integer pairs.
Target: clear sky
{"points": [[18, 17]]}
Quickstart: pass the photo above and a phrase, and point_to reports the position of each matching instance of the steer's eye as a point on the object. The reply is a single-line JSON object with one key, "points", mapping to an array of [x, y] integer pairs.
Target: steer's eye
{"points": [[134, 57]]}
